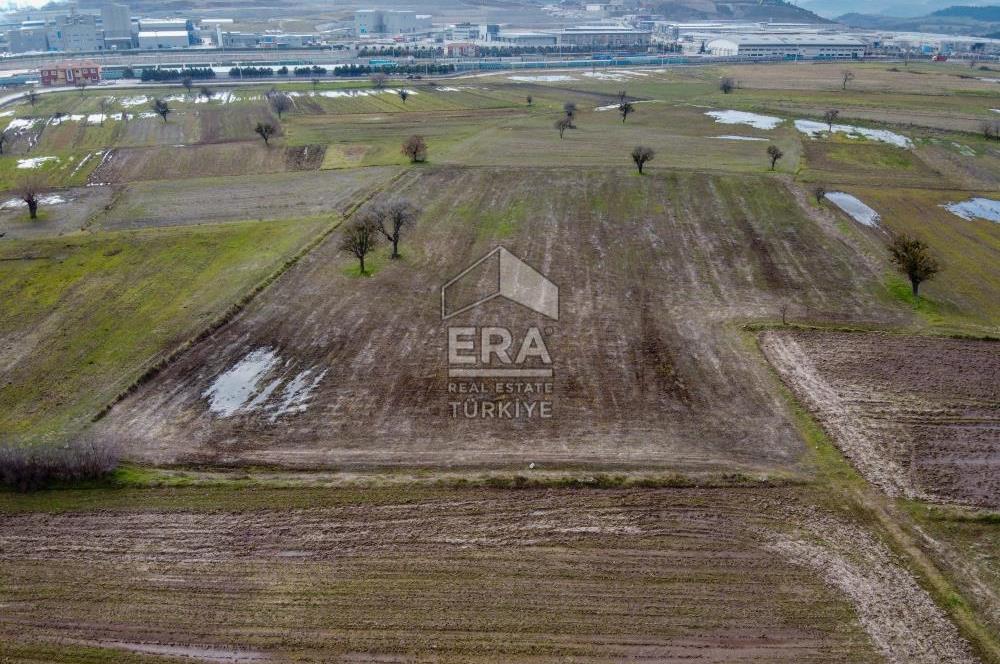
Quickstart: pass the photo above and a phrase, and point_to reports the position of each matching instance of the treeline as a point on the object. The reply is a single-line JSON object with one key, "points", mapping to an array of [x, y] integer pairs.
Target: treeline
{"points": [[402, 52], [252, 72], [365, 70], [196, 73]]}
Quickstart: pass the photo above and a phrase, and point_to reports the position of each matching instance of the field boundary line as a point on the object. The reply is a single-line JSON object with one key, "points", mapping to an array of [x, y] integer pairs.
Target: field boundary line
{"points": [[241, 304]]}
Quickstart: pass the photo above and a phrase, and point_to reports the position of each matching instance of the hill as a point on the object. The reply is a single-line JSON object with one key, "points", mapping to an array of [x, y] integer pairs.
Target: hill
{"points": [[750, 10], [976, 21]]}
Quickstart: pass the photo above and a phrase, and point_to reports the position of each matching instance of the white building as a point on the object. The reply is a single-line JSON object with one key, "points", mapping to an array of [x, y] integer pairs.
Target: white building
{"points": [[789, 47], [155, 39], [371, 22]]}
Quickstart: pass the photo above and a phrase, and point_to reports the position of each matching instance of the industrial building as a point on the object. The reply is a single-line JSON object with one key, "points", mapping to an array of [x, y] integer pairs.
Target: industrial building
{"points": [[789, 47], [372, 22], [76, 33], [159, 39], [603, 36]]}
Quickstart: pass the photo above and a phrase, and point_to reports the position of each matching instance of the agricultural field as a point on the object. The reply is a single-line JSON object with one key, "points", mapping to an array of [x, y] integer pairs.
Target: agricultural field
{"points": [[759, 444]]}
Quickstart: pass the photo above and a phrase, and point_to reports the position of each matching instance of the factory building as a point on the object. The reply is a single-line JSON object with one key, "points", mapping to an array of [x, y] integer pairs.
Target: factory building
{"points": [[76, 33], [603, 36], [372, 22], [159, 39], [788, 47]]}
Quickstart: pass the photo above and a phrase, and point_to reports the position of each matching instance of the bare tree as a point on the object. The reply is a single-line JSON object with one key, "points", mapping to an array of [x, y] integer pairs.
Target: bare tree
{"points": [[912, 258], [162, 108], [360, 238], [570, 109], [990, 129], [642, 155], [830, 117], [32, 97], [107, 105], [727, 85], [281, 103], [81, 85], [820, 193], [847, 76], [3, 139], [188, 83], [29, 189], [562, 124], [315, 83], [622, 96], [415, 148], [774, 153], [265, 130], [528, 99], [403, 94], [379, 79], [393, 218], [625, 108]]}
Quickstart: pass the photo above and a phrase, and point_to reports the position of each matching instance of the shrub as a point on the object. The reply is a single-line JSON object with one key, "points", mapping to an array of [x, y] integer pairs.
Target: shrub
{"points": [[33, 467]]}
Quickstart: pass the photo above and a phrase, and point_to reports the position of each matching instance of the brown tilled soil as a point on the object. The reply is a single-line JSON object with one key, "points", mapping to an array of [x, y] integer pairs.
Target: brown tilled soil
{"points": [[749, 575], [918, 416], [191, 161], [656, 274]]}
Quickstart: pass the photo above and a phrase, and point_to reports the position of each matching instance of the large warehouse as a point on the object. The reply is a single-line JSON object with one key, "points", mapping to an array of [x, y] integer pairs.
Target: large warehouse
{"points": [[789, 47]]}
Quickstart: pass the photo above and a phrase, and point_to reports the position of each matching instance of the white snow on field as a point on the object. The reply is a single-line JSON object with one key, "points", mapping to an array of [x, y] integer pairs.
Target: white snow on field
{"points": [[359, 93], [232, 389], [48, 199], [732, 137], [614, 107], [446, 88], [297, 392], [854, 208], [543, 78], [95, 118], [814, 129], [990, 80], [995, 110], [22, 123], [34, 162], [613, 75], [6, 114], [981, 208], [755, 120], [66, 118], [83, 161], [129, 102]]}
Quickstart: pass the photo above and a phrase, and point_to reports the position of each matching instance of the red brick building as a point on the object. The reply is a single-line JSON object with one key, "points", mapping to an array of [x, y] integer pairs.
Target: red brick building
{"points": [[70, 73]]}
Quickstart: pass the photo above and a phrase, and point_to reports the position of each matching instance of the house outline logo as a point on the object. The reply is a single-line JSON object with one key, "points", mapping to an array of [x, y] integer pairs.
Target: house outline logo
{"points": [[517, 281]]}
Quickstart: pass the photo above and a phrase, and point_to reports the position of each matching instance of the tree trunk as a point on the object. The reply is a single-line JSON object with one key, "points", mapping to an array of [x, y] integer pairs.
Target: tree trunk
{"points": [[33, 209], [361, 259], [395, 248], [915, 285], [640, 168]]}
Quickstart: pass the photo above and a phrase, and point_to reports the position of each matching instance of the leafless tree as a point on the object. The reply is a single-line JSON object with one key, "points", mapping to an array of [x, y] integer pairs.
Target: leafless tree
{"points": [[3, 139], [528, 99], [162, 108], [379, 79], [107, 105], [31, 96], [626, 108], [774, 153], [315, 83], [206, 92], [642, 155], [265, 130], [820, 193], [393, 218], [727, 85], [360, 238], [784, 313], [990, 129], [913, 258], [562, 124], [281, 103], [847, 76], [622, 96], [81, 85], [30, 187], [403, 94], [830, 117], [415, 148], [570, 109], [188, 83]]}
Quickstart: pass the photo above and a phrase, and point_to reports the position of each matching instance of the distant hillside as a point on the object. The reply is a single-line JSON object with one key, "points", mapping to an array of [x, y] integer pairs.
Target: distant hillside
{"points": [[991, 14], [747, 10], [976, 21]]}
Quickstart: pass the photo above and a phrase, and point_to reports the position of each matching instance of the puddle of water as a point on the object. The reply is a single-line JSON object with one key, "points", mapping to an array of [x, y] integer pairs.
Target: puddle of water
{"points": [[976, 208], [295, 397], [742, 117], [813, 129], [235, 387], [551, 78], [854, 208]]}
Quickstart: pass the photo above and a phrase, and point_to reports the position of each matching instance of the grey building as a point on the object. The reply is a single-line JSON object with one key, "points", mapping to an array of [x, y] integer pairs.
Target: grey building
{"points": [[76, 33], [370, 22], [28, 39], [116, 21]]}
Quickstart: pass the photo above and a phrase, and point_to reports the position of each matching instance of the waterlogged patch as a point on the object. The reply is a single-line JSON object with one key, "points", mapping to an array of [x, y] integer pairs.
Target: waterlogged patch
{"points": [[755, 120], [261, 382], [854, 208], [35, 162], [730, 137], [976, 208], [333, 94], [614, 107], [813, 129]]}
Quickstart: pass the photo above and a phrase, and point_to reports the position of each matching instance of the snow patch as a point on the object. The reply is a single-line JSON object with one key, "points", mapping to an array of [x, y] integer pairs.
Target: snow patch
{"points": [[18, 124], [854, 208], [48, 199], [548, 78], [813, 129], [732, 137], [755, 120], [34, 162], [976, 208], [129, 102]]}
